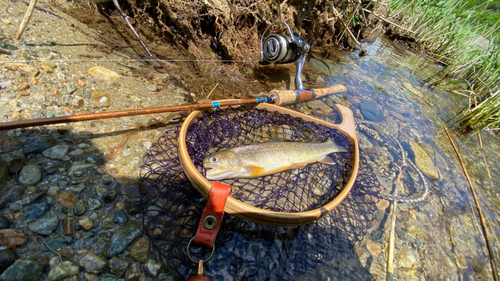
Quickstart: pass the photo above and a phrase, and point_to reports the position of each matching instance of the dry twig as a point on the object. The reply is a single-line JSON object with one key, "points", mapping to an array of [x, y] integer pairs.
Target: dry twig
{"points": [[26, 19], [478, 208]]}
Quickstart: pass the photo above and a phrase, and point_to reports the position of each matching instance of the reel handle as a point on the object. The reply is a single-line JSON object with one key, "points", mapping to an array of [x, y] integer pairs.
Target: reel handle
{"points": [[291, 96]]}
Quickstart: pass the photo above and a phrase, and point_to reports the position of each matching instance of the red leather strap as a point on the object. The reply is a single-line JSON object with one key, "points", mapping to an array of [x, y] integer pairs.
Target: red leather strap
{"points": [[214, 207]]}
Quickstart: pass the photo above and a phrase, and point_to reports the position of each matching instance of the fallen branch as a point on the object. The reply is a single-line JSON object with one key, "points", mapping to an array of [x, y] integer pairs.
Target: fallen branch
{"points": [[26, 19], [392, 237], [478, 207]]}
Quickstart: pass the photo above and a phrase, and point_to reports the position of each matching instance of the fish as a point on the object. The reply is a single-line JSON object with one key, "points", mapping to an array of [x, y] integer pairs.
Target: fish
{"points": [[267, 158]]}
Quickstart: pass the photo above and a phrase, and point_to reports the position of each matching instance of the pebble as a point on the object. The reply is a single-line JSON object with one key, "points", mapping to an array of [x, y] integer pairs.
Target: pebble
{"points": [[7, 144], [374, 248], [118, 266], [78, 166], [101, 98], [152, 267], [370, 111], [63, 270], [35, 211], [80, 208], [67, 253], [45, 226], [104, 73], [122, 239], [94, 203], [22, 269], [12, 195], [66, 199], [91, 276], [133, 272], [4, 222], [16, 206], [30, 175], [78, 188], [23, 68], [109, 196], [7, 257], [120, 217], [92, 263], [76, 153], [406, 259], [319, 107], [140, 250], [56, 152], [12, 238], [53, 191], [86, 223]]}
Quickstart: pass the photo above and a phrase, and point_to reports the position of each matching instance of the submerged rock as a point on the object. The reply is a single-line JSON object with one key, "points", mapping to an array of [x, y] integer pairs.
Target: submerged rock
{"points": [[424, 162], [370, 111], [122, 239], [118, 266], [140, 250], [152, 267], [56, 152], [12, 238], [23, 68], [12, 195], [7, 144], [93, 263], [22, 270], [38, 144], [66, 199]]}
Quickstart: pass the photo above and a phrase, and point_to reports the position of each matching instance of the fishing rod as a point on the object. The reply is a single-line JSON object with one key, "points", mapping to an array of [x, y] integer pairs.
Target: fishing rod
{"points": [[277, 97]]}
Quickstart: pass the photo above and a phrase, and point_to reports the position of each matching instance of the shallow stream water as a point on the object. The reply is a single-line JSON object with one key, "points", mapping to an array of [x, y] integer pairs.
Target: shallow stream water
{"points": [[97, 178]]}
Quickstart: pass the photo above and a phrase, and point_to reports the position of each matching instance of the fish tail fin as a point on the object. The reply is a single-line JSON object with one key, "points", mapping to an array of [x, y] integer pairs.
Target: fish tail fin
{"points": [[335, 147]]}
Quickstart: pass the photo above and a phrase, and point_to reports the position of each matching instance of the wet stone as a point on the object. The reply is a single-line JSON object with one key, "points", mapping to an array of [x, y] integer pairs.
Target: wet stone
{"points": [[120, 217], [66, 199], [7, 144], [22, 269], [56, 152], [86, 223], [38, 144], [56, 243], [370, 111], [45, 226], [78, 188], [140, 250], [118, 266], [133, 272], [109, 196], [7, 257], [13, 238], [12, 195], [35, 211], [94, 203], [63, 184], [152, 267], [63, 270], [4, 222], [319, 107], [122, 239], [53, 191], [30, 175], [16, 206], [424, 161], [80, 208], [92, 263]]}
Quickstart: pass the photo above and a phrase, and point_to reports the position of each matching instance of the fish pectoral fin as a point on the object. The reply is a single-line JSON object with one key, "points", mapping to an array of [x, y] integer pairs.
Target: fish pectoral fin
{"points": [[298, 165], [254, 170], [326, 160]]}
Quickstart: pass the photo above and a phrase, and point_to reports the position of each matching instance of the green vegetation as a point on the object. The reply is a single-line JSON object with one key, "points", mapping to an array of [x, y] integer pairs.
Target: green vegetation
{"points": [[460, 34]]}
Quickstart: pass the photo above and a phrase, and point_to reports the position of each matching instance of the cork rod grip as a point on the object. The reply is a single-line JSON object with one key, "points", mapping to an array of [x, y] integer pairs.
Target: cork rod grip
{"points": [[291, 96]]}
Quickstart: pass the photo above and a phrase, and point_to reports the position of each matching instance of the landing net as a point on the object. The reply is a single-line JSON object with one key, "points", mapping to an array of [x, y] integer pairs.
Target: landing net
{"points": [[172, 207]]}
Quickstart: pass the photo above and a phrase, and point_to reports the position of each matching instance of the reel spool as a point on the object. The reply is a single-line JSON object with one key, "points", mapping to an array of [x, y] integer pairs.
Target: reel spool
{"points": [[281, 49], [264, 216]]}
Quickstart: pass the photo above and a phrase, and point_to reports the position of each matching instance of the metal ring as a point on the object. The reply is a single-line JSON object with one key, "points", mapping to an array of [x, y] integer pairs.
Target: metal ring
{"points": [[191, 258]]}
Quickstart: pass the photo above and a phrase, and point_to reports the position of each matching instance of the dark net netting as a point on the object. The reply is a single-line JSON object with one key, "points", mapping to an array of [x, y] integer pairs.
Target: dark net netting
{"points": [[172, 207]]}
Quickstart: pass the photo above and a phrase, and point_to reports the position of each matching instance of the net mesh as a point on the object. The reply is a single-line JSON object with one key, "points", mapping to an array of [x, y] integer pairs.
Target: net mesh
{"points": [[172, 207]]}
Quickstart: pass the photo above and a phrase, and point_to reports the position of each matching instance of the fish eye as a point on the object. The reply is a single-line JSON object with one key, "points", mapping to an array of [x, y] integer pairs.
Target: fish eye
{"points": [[214, 159]]}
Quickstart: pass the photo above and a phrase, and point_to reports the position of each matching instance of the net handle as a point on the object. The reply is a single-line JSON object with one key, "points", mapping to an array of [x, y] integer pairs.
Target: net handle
{"points": [[261, 216]]}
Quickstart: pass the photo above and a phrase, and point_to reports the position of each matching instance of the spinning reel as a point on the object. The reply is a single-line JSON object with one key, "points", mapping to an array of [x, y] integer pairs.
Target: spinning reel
{"points": [[280, 49]]}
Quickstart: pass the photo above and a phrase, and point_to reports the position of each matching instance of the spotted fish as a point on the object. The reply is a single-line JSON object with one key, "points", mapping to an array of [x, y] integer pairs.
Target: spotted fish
{"points": [[267, 158]]}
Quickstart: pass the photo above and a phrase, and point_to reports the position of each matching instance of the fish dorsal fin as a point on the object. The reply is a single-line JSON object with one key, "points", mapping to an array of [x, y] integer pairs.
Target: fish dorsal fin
{"points": [[254, 171], [326, 160]]}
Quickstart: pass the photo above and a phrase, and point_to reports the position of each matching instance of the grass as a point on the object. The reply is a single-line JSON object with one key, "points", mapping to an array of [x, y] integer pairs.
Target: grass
{"points": [[461, 34]]}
